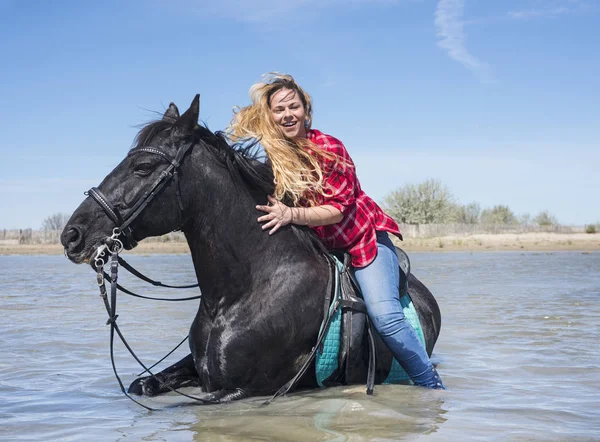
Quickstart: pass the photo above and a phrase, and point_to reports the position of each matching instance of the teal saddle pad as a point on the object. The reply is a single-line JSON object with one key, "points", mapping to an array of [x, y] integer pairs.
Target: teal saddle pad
{"points": [[327, 360]]}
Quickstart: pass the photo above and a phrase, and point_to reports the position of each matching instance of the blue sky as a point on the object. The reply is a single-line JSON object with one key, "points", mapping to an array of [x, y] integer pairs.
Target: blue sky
{"points": [[497, 99]]}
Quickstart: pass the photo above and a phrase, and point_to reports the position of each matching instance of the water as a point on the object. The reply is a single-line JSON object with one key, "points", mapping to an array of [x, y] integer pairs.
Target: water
{"points": [[518, 352]]}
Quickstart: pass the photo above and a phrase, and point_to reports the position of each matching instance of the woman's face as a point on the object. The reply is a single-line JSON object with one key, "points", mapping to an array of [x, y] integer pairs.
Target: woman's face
{"points": [[288, 113]]}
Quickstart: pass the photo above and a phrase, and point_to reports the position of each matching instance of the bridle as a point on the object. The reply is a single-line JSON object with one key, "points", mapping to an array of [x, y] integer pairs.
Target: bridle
{"points": [[123, 228], [122, 236]]}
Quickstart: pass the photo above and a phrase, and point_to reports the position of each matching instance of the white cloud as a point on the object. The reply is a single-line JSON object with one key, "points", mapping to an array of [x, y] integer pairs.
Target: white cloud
{"points": [[452, 37]]}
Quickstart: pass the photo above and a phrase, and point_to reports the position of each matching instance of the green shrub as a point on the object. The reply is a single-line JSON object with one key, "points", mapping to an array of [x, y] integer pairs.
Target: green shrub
{"points": [[590, 228], [498, 215], [545, 218], [467, 214], [427, 203]]}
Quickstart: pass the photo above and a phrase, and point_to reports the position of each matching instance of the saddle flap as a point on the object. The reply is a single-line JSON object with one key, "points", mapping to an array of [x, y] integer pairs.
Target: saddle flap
{"points": [[354, 349], [353, 360]]}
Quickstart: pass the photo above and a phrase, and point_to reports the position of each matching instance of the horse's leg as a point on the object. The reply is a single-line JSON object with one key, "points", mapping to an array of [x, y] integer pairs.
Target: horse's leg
{"points": [[180, 374], [224, 396]]}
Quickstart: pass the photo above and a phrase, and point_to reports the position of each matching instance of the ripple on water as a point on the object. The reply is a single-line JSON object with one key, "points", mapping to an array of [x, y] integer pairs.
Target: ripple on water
{"points": [[518, 353]]}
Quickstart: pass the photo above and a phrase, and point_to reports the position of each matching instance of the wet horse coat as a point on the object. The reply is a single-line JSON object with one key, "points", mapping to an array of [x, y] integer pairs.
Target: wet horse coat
{"points": [[262, 296]]}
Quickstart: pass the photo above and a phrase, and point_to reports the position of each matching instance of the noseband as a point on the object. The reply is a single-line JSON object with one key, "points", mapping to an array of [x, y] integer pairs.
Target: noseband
{"points": [[123, 229]]}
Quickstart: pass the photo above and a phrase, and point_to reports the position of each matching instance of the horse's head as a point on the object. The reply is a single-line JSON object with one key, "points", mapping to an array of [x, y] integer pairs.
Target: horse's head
{"points": [[140, 196]]}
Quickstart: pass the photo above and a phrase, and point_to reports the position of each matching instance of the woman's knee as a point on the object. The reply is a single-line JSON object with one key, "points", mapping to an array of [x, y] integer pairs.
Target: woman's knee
{"points": [[388, 321]]}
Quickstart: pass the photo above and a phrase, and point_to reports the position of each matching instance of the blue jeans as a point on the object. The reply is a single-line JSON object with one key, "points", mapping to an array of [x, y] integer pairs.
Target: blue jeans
{"points": [[379, 283]]}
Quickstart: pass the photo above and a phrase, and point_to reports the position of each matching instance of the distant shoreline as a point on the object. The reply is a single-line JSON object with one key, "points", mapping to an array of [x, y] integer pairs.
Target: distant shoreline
{"points": [[526, 242]]}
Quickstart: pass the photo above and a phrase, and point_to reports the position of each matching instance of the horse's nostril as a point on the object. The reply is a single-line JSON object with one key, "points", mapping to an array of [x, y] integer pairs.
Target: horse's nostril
{"points": [[74, 234], [71, 238]]}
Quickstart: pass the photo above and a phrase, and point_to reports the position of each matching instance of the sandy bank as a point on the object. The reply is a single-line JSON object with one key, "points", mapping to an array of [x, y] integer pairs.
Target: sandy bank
{"points": [[535, 241], [480, 242]]}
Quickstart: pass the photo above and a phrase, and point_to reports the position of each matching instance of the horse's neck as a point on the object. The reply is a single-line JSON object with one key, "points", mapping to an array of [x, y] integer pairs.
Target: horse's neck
{"points": [[227, 243]]}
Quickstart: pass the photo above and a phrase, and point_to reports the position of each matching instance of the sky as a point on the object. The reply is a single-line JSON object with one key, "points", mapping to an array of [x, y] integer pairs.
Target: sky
{"points": [[499, 100]]}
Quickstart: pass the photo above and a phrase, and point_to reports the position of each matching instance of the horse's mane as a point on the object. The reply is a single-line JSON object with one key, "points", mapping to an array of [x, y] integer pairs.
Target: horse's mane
{"points": [[242, 160]]}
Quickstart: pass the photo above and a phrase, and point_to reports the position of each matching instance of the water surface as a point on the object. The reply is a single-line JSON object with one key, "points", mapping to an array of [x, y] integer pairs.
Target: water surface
{"points": [[518, 352]]}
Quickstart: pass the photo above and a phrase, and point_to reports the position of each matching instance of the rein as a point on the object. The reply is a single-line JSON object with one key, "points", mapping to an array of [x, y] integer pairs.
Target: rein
{"points": [[116, 246], [123, 231], [123, 236], [113, 245], [143, 277]]}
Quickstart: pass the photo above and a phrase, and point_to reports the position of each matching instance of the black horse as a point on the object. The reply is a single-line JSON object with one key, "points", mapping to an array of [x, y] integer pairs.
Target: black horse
{"points": [[262, 296]]}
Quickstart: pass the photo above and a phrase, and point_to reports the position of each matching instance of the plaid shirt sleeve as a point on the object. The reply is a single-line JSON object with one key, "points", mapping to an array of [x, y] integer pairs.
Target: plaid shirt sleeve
{"points": [[356, 232]]}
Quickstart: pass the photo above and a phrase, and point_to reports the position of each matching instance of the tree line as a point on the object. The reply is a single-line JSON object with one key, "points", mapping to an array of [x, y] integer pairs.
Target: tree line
{"points": [[431, 202]]}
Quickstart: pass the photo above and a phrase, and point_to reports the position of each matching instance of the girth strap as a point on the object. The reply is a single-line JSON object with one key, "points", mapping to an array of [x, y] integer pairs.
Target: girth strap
{"points": [[340, 294], [329, 314], [354, 304], [372, 360]]}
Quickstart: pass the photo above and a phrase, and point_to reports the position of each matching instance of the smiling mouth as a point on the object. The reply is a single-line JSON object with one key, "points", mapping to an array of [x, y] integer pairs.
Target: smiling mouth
{"points": [[289, 124]]}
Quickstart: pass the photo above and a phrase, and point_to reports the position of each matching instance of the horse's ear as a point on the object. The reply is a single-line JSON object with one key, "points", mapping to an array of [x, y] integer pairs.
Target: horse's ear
{"points": [[172, 113], [189, 119]]}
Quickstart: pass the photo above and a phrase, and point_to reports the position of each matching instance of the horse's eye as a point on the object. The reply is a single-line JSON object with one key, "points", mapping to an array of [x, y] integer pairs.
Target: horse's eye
{"points": [[142, 169]]}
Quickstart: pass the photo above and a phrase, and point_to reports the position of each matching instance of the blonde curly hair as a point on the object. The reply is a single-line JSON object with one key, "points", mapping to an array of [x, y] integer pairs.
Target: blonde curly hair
{"points": [[295, 162]]}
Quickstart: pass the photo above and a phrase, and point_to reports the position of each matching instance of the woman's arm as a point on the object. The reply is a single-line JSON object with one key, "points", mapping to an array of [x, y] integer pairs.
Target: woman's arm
{"points": [[279, 215], [316, 216]]}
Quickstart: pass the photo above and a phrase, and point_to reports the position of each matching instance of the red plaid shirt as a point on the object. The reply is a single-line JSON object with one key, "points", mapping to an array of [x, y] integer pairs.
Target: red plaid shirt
{"points": [[356, 232]]}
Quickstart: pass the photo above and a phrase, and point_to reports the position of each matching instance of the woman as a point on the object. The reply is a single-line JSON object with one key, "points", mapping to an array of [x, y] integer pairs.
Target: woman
{"points": [[314, 172]]}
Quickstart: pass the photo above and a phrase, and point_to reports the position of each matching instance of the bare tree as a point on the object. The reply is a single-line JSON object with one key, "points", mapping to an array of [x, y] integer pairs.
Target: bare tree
{"points": [[58, 221], [524, 219], [53, 225]]}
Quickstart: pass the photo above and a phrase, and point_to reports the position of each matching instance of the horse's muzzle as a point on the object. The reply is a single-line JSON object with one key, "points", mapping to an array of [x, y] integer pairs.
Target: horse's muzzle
{"points": [[72, 240]]}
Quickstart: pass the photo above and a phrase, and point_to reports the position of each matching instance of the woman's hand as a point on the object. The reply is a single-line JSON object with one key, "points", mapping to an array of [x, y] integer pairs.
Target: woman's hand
{"points": [[278, 215]]}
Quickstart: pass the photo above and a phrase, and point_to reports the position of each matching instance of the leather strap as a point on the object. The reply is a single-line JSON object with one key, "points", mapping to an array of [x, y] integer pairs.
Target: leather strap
{"points": [[143, 277]]}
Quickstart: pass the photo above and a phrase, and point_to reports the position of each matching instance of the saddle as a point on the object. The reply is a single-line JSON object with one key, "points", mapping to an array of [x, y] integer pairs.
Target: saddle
{"points": [[361, 354], [348, 349]]}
